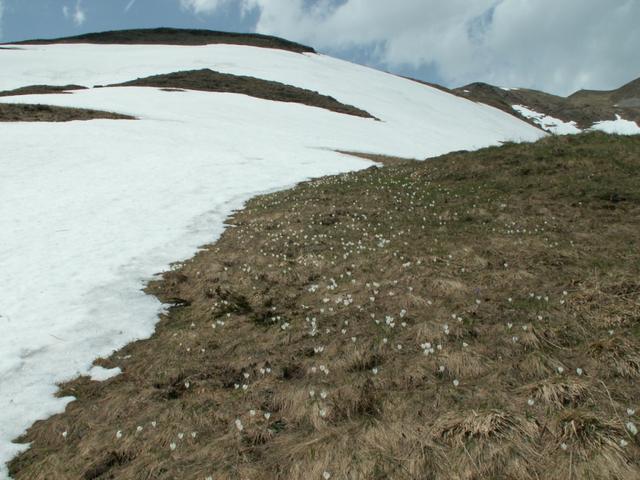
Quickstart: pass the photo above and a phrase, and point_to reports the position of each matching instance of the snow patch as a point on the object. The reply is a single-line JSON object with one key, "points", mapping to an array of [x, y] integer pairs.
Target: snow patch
{"points": [[100, 374], [618, 126], [546, 122]]}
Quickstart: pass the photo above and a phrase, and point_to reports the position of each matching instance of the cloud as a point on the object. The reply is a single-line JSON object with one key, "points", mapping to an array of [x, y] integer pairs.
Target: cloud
{"points": [[129, 5], [203, 6], [77, 14], [558, 46]]}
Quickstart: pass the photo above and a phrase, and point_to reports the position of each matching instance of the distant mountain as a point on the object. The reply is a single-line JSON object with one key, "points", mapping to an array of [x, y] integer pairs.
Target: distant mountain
{"points": [[579, 111], [175, 36]]}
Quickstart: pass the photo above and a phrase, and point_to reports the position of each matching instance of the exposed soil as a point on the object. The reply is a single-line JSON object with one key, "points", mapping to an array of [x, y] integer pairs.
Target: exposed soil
{"points": [[473, 316], [47, 113], [40, 90], [176, 36], [210, 81]]}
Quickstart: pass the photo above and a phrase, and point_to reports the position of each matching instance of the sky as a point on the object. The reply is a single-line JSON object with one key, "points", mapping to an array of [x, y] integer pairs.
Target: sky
{"points": [[558, 46]]}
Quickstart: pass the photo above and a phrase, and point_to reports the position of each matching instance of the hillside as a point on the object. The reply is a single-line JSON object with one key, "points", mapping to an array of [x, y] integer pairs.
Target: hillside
{"points": [[579, 111], [174, 138], [473, 316], [175, 36]]}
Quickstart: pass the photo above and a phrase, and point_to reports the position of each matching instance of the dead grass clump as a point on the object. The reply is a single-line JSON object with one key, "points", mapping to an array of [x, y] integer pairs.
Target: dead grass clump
{"points": [[448, 287], [488, 444], [558, 392], [464, 363], [617, 356], [357, 401], [589, 446], [538, 365]]}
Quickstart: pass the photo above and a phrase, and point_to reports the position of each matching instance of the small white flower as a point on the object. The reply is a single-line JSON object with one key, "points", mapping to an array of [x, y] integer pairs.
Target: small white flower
{"points": [[64, 434], [623, 443], [323, 394], [239, 424], [118, 434], [374, 370], [312, 393], [139, 429], [267, 415], [456, 382], [563, 446], [326, 475], [530, 402], [579, 371], [252, 413], [187, 384], [441, 368], [194, 434], [246, 375], [153, 424], [560, 369], [323, 412], [631, 412], [633, 430], [172, 446], [180, 435]]}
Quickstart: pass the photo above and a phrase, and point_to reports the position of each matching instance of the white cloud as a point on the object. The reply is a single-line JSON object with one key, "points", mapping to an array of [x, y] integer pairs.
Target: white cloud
{"points": [[129, 5], [77, 14], [203, 6], [559, 46]]}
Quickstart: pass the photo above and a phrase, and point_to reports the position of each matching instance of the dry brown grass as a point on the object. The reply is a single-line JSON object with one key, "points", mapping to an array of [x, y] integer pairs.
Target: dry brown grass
{"points": [[207, 80], [473, 316], [47, 113]]}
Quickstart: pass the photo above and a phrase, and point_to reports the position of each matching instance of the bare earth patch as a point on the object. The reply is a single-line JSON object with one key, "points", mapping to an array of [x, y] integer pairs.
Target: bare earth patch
{"points": [[40, 90], [472, 316], [210, 81], [47, 113]]}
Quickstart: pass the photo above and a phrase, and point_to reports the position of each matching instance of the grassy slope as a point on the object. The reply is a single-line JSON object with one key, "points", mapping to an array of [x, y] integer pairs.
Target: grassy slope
{"points": [[48, 113], [585, 107], [473, 316], [207, 80], [175, 36]]}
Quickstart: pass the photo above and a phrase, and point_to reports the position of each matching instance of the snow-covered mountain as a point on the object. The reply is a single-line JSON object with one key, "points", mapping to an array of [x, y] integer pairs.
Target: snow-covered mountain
{"points": [[90, 210]]}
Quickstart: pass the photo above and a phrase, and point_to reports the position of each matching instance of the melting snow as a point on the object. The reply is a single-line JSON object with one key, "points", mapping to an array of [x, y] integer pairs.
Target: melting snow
{"points": [[619, 126], [546, 122], [100, 374], [91, 210]]}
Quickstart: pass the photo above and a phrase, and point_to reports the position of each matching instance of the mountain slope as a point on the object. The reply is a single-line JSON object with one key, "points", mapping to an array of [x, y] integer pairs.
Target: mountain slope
{"points": [[94, 209], [582, 110], [471, 317], [175, 36]]}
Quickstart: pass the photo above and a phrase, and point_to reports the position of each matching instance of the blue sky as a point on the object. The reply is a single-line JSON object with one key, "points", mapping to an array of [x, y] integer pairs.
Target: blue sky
{"points": [[557, 46]]}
